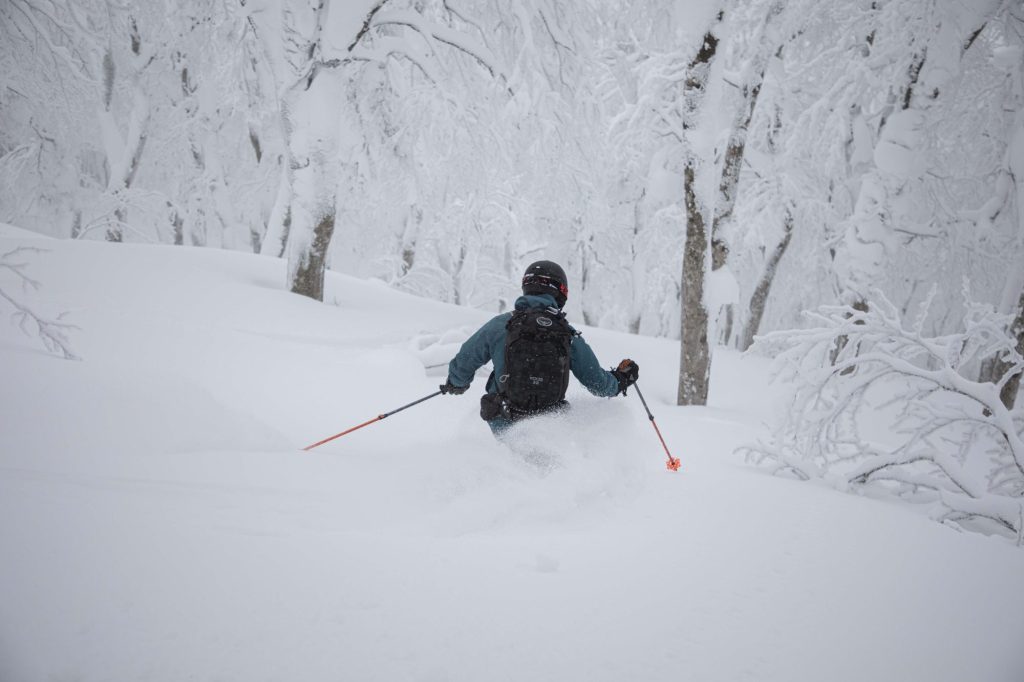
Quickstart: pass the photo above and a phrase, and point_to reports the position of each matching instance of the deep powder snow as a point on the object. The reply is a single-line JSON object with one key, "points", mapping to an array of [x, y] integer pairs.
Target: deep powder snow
{"points": [[159, 520]]}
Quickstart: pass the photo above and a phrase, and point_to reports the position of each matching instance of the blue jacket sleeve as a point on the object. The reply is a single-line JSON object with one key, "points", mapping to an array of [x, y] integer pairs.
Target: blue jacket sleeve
{"points": [[476, 352], [588, 370]]}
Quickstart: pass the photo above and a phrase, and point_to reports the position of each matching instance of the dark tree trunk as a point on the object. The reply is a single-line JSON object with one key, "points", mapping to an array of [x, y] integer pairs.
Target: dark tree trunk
{"points": [[257, 148], [694, 351], [732, 162], [859, 305], [1000, 367], [115, 232], [76, 225], [309, 275], [178, 228], [728, 188], [759, 298], [695, 354]]}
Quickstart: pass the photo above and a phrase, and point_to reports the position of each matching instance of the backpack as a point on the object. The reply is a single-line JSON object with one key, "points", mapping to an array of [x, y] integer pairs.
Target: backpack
{"points": [[536, 359]]}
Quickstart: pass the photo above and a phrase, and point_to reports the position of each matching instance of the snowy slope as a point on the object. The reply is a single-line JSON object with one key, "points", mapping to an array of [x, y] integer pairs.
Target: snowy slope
{"points": [[158, 520]]}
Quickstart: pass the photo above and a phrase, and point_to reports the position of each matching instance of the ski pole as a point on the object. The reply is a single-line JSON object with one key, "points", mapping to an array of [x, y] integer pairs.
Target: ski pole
{"points": [[375, 419], [672, 464]]}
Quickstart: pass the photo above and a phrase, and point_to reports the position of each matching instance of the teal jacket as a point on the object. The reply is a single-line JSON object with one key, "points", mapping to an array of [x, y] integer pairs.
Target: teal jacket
{"points": [[488, 345]]}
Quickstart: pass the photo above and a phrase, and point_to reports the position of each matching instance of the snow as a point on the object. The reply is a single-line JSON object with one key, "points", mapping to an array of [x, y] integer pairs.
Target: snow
{"points": [[19, 233], [1008, 57], [899, 150], [664, 186], [723, 289], [159, 520]]}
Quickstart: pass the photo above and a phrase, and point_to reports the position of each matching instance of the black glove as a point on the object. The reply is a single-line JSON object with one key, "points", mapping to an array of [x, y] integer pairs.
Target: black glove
{"points": [[627, 373], [449, 387]]}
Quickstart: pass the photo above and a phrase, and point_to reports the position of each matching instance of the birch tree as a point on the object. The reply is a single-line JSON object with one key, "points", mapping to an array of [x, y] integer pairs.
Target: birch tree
{"points": [[675, 89], [695, 350], [749, 89]]}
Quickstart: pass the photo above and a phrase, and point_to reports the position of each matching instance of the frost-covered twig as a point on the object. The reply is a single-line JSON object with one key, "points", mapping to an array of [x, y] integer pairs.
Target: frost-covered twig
{"points": [[895, 411], [52, 332], [1006, 513]]}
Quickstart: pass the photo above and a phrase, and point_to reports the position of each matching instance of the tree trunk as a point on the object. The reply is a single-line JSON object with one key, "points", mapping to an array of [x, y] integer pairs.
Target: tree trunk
{"points": [[275, 242], [759, 298], [694, 352], [728, 315], [860, 305], [311, 263], [637, 271], [410, 237], [1009, 393], [732, 162], [314, 125], [123, 154], [728, 188], [76, 224], [1012, 299], [137, 145], [177, 227]]}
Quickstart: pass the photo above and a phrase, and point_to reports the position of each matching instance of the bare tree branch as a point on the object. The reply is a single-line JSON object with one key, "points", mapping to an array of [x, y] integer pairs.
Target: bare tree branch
{"points": [[52, 332]]}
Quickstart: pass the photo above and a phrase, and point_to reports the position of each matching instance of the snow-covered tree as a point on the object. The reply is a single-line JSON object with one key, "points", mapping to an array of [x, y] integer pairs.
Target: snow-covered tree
{"points": [[1007, 202], [661, 138], [898, 411], [331, 63], [76, 70], [876, 120], [442, 145], [695, 349], [129, 122]]}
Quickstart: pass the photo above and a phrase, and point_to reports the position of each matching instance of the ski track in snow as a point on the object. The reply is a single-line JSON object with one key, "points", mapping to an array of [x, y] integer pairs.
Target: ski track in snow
{"points": [[160, 522]]}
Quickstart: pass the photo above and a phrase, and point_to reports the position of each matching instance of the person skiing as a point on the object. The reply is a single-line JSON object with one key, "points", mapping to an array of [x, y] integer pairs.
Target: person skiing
{"points": [[533, 350]]}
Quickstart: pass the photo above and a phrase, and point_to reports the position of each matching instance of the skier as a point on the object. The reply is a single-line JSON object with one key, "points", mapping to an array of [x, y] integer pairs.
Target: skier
{"points": [[533, 350]]}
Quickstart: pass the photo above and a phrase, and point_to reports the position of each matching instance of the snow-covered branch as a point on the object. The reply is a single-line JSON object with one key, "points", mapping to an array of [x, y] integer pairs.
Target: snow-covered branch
{"points": [[431, 32], [52, 332], [898, 411]]}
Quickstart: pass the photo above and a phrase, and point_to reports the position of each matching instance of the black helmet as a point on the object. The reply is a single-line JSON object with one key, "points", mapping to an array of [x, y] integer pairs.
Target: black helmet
{"points": [[545, 277]]}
